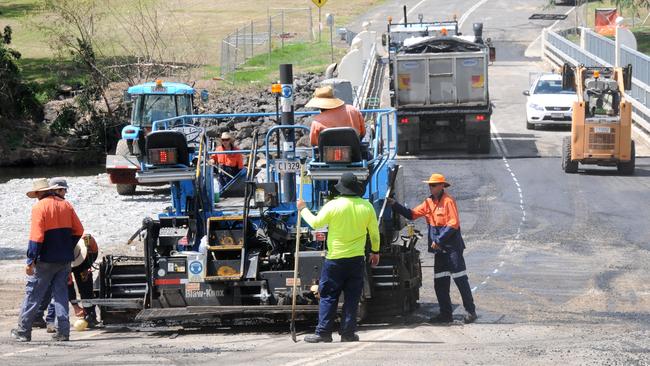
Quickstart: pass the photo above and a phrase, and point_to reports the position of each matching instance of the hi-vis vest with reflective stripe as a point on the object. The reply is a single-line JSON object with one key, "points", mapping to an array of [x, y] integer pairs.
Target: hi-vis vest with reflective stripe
{"points": [[443, 220], [55, 230]]}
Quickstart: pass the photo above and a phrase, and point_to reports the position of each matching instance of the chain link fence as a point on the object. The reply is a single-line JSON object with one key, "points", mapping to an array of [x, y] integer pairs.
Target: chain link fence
{"points": [[281, 27]]}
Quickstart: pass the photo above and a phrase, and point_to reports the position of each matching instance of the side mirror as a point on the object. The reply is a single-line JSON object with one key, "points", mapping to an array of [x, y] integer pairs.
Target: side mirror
{"points": [[205, 96], [526, 93], [627, 77], [126, 98], [493, 53]]}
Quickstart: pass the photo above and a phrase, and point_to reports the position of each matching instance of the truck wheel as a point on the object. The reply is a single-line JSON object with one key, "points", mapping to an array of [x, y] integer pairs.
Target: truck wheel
{"points": [[627, 168], [124, 189], [485, 143], [472, 144], [568, 165]]}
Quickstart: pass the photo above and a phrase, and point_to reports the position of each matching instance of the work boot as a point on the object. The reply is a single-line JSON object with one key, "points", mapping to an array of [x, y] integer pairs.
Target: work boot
{"points": [[350, 338], [317, 338], [91, 320], [470, 317], [441, 319], [20, 336], [51, 328], [58, 337], [39, 323]]}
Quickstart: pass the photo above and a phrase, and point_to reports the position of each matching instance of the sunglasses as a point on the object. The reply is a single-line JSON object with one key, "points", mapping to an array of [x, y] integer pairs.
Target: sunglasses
{"points": [[435, 184], [225, 139]]}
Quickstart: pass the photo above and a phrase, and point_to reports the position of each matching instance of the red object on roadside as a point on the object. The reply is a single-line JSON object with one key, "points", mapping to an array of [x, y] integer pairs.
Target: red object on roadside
{"points": [[605, 23]]}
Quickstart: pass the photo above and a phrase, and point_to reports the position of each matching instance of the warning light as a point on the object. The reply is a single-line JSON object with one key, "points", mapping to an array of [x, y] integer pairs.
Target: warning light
{"points": [[276, 88], [596, 74], [159, 83], [390, 19], [338, 154], [444, 31]]}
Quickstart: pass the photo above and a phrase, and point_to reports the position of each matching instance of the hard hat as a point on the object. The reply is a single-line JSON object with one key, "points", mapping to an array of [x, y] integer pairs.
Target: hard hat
{"points": [[437, 178], [80, 325]]}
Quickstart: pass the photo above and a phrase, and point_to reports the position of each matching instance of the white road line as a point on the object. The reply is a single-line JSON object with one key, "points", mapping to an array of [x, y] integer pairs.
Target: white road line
{"points": [[92, 334], [469, 12], [338, 352], [410, 11], [499, 140]]}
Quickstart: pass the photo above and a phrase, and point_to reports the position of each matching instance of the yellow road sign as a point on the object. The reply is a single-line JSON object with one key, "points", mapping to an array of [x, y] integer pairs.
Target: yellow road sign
{"points": [[319, 3]]}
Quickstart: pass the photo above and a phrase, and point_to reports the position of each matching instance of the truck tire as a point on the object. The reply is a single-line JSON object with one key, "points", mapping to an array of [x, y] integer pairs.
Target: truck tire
{"points": [[485, 143], [627, 168], [472, 144], [568, 165], [124, 189]]}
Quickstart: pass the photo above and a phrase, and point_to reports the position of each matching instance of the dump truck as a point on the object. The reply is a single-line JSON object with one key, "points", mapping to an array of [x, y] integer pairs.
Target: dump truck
{"points": [[149, 102], [209, 259], [601, 123], [439, 86]]}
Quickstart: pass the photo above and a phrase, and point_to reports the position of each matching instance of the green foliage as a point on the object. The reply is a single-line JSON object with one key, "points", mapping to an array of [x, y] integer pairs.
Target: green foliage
{"points": [[65, 121], [17, 99]]}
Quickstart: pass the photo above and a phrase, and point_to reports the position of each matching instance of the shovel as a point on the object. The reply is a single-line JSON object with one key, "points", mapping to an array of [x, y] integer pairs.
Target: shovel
{"points": [[292, 326]]}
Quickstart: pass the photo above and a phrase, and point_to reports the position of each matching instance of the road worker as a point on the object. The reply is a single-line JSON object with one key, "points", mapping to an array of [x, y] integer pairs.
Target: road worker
{"points": [[333, 113], [446, 242], [350, 219], [229, 164], [85, 254], [55, 229]]}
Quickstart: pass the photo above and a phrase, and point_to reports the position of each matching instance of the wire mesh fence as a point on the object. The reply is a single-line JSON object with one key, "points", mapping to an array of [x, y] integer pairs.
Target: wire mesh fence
{"points": [[280, 27]]}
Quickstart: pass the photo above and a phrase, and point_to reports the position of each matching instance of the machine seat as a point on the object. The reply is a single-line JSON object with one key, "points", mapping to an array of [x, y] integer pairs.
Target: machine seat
{"points": [[169, 139]]}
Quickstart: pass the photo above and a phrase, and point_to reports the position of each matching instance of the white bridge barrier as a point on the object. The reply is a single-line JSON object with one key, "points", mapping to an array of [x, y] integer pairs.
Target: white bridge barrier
{"points": [[358, 64], [557, 50]]}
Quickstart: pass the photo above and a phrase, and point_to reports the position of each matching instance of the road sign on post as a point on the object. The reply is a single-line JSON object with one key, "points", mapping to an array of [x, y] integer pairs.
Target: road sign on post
{"points": [[319, 4], [329, 18]]}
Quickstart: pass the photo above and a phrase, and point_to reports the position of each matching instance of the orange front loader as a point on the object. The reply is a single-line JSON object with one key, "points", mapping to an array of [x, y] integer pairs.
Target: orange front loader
{"points": [[601, 127]]}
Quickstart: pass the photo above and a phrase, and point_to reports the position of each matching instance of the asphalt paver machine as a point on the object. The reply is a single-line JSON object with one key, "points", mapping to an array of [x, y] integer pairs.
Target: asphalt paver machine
{"points": [[217, 259]]}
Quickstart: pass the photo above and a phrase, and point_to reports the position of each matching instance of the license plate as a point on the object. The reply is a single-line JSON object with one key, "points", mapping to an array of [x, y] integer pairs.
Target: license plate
{"points": [[286, 166], [557, 115], [602, 130]]}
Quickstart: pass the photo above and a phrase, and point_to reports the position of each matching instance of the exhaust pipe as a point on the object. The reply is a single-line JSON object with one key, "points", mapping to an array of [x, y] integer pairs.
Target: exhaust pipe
{"points": [[478, 33]]}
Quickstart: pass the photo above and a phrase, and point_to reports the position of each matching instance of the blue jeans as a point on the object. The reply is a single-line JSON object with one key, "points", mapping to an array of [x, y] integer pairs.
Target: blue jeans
{"points": [[46, 276], [338, 275]]}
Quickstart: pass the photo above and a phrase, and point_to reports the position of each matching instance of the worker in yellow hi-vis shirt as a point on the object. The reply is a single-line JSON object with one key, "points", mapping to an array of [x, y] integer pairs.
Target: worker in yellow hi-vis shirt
{"points": [[350, 219]]}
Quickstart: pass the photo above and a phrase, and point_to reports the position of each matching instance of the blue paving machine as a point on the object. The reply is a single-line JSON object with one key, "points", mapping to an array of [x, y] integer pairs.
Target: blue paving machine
{"points": [[240, 253]]}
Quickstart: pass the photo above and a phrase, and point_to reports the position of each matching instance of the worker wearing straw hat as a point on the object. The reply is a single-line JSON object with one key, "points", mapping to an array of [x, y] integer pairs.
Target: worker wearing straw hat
{"points": [[55, 229], [446, 242], [334, 113]]}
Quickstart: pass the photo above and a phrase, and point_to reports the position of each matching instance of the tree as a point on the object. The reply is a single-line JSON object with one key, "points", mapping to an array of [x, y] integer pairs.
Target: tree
{"points": [[17, 99]]}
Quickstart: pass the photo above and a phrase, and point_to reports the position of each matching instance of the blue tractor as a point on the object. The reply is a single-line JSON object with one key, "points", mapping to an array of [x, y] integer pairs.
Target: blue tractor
{"points": [[242, 253], [150, 102]]}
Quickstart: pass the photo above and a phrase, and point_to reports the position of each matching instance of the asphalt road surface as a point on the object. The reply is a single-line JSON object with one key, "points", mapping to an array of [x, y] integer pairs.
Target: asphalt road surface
{"points": [[558, 263]]}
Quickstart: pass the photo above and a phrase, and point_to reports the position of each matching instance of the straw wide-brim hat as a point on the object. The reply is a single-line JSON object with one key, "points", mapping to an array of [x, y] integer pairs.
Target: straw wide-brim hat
{"points": [[41, 185], [226, 136], [324, 99], [80, 253], [437, 178]]}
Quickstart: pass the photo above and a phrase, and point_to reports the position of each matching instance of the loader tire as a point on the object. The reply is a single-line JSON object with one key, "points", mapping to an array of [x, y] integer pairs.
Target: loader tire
{"points": [[568, 165], [627, 168], [124, 189]]}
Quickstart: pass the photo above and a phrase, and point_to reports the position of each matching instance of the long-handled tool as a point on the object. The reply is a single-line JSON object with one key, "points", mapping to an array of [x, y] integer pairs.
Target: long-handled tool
{"points": [[389, 192], [296, 261]]}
